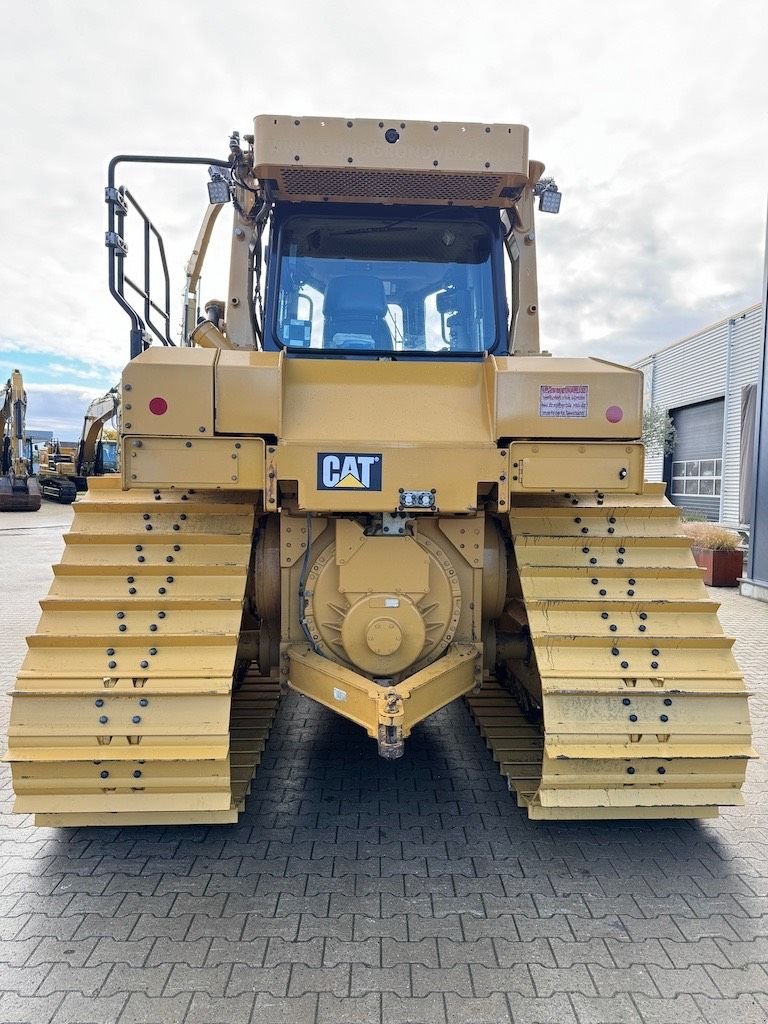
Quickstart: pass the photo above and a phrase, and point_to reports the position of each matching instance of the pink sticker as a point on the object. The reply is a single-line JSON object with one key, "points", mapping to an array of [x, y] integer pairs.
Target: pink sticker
{"points": [[570, 401], [614, 414]]}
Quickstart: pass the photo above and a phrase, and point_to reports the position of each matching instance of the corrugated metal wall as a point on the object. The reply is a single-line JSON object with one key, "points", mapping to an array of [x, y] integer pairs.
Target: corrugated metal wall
{"points": [[694, 370]]}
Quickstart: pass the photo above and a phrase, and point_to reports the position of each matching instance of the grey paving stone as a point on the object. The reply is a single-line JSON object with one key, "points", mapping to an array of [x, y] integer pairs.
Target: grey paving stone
{"points": [[171, 951], [708, 951], [449, 927], [227, 951], [618, 1009], [298, 1010], [306, 980], [126, 978], [735, 981], [366, 952], [425, 980], [512, 978], [661, 927], [27, 1009], [74, 952], [590, 951], [12, 926], [744, 1009], [40, 925], [716, 927], [366, 979], [16, 953], [395, 927], [311, 927], [643, 951], [63, 978], [512, 951], [358, 1010], [212, 980], [94, 925], [551, 980], [671, 1010], [423, 951], [205, 1009], [550, 1010], [610, 981], [245, 979], [396, 1009], [257, 927], [171, 928], [141, 1009], [738, 953], [75, 1008], [492, 1009], [279, 951]]}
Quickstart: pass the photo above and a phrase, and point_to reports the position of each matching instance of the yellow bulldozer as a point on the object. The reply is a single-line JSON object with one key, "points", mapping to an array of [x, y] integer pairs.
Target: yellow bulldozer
{"points": [[19, 489], [56, 471], [358, 477]]}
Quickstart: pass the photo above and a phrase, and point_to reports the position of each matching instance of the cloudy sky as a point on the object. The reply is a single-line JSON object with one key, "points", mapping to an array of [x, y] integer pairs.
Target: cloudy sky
{"points": [[651, 116]]}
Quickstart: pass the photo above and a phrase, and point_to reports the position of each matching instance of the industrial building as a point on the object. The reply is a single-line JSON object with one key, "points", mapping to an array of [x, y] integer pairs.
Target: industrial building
{"points": [[707, 383]]}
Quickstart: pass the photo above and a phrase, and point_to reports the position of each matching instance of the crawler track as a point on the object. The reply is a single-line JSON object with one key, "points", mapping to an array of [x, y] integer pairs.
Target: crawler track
{"points": [[643, 707], [124, 710]]}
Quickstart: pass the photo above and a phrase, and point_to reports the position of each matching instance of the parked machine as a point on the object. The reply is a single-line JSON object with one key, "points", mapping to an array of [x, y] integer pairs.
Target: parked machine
{"points": [[56, 472], [356, 476], [19, 489], [65, 469], [98, 451]]}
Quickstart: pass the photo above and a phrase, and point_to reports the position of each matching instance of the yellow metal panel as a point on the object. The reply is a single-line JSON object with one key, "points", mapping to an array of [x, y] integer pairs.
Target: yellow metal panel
{"points": [[559, 466], [363, 701], [210, 462], [380, 567], [95, 585], [530, 400], [426, 162], [154, 552], [385, 402], [453, 473], [62, 657], [125, 715], [182, 380], [117, 819], [249, 393]]}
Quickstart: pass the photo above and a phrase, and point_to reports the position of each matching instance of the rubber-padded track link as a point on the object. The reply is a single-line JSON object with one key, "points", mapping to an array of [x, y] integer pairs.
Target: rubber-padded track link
{"points": [[124, 706]]}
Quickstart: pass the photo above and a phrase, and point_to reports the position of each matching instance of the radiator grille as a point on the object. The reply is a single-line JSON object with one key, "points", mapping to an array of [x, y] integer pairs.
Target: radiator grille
{"points": [[422, 185]]}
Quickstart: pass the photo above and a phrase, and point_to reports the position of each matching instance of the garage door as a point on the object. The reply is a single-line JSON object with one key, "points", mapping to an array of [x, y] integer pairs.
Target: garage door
{"points": [[696, 471]]}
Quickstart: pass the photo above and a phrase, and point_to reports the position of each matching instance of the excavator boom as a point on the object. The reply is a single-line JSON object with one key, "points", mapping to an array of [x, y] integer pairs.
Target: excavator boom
{"points": [[19, 490]]}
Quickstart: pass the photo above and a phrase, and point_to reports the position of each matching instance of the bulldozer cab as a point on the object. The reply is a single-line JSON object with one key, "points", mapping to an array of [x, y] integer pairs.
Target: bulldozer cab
{"points": [[385, 281], [353, 239]]}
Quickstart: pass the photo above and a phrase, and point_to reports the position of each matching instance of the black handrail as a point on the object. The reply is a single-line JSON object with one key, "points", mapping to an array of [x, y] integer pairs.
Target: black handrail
{"points": [[118, 202]]}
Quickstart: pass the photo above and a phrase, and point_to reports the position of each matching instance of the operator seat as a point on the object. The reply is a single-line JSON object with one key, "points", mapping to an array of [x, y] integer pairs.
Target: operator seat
{"points": [[355, 307]]}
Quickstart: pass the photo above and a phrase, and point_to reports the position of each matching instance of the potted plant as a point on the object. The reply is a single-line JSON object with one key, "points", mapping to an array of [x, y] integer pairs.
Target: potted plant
{"points": [[716, 550]]}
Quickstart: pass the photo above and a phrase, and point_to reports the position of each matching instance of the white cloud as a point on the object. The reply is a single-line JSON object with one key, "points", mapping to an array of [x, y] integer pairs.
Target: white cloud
{"points": [[651, 117], [58, 407]]}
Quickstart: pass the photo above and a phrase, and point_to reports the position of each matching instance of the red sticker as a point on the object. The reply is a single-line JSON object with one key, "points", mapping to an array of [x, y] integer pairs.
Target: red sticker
{"points": [[614, 414]]}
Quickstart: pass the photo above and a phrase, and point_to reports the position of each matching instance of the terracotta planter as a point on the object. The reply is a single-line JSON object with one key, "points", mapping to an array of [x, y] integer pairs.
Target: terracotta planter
{"points": [[721, 568]]}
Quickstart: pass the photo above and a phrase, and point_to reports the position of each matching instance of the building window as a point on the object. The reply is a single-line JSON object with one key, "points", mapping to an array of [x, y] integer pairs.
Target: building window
{"points": [[700, 477]]}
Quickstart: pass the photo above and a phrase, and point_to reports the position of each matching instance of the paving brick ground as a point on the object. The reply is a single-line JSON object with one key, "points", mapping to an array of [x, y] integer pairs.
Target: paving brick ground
{"points": [[358, 891]]}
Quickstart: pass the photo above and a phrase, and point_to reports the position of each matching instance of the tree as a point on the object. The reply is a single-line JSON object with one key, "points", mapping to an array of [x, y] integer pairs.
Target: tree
{"points": [[659, 432]]}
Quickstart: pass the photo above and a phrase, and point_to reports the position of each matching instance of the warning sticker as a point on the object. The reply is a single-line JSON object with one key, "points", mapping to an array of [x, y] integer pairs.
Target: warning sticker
{"points": [[570, 402]]}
